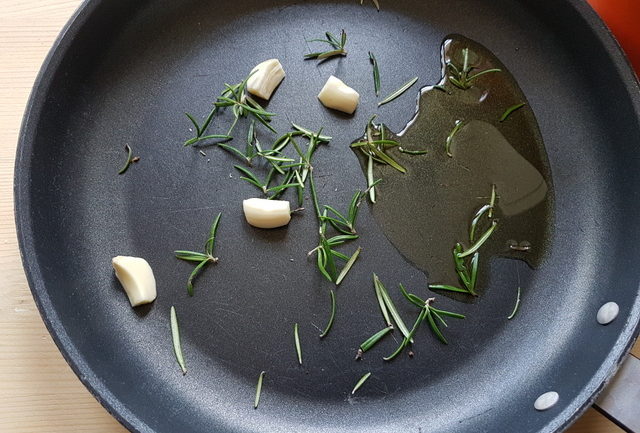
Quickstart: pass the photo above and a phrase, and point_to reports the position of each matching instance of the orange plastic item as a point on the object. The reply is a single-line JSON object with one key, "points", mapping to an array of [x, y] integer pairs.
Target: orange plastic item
{"points": [[623, 18]]}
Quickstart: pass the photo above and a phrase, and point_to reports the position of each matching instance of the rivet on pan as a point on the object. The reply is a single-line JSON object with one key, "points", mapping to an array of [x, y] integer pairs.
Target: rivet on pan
{"points": [[607, 313], [546, 400]]}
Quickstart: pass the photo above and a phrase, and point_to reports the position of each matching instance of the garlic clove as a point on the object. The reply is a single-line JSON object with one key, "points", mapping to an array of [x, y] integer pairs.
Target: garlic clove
{"points": [[265, 78], [266, 214], [337, 95], [136, 277]]}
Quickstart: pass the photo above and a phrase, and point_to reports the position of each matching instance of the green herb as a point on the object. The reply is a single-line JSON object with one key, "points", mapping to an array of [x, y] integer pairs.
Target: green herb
{"points": [[480, 241], [256, 402], [515, 307], [376, 149], [454, 131], [130, 159], [332, 316], [510, 110], [492, 202], [375, 3], [447, 288], [390, 306], [460, 76], [476, 218], [398, 92], [175, 336], [347, 267], [297, 340], [376, 73], [336, 44], [362, 380], [442, 89], [370, 181], [310, 134], [412, 152], [371, 341], [381, 302], [203, 258]]}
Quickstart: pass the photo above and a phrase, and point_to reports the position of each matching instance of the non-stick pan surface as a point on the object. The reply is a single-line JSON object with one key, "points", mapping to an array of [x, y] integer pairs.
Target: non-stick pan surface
{"points": [[124, 72]]}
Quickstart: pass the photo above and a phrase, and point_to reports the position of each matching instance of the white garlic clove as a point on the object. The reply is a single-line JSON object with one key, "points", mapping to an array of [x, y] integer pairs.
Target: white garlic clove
{"points": [[136, 277], [266, 214], [337, 95], [265, 78]]}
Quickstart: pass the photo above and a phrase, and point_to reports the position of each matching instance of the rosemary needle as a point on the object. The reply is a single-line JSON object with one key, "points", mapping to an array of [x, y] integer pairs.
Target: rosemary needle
{"points": [[331, 317], [336, 45], [392, 308], [515, 307], [381, 303], [130, 158], [454, 131], [362, 380], [175, 335], [297, 340], [480, 241], [398, 92], [256, 402], [376, 73], [348, 266], [510, 110], [371, 341]]}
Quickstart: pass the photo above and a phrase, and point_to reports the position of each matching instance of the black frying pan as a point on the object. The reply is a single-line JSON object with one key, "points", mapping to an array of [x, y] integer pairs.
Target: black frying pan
{"points": [[123, 72]]}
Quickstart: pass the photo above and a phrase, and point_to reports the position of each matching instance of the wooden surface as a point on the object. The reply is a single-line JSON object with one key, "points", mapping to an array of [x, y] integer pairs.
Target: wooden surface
{"points": [[38, 391]]}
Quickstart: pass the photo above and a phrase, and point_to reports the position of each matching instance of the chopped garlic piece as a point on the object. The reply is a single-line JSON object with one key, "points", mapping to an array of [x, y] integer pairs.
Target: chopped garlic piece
{"points": [[265, 78], [266, 214], [337, 95], [136, 277]]}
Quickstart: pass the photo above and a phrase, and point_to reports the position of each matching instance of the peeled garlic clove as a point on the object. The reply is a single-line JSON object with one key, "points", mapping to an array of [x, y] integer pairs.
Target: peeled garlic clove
{"points": [[337, 95], [266, 214], [136, 277], [265, 78]]}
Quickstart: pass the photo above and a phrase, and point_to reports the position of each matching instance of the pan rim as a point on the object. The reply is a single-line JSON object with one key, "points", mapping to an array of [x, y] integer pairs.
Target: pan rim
{"points": [[72, 355]]}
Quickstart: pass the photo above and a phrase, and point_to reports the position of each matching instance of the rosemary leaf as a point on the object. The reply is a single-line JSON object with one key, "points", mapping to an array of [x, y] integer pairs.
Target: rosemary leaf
{"points": [[175, 336], [447, 288], [377, 4], [308, 133], [454, 131], [348, 266], [250, 176], [434, 327], [191, 256], [515, 307], [376, 73], [340, 239], [392, 309], [412, 152], [362, 380], [381, 303], [339, 255], [322, 260], [194, 274], [256, 402], [480, 241], [398, 92], [337, 45], [492, 202], [332, 315], [371, 341], [126, 165], [474, 272], [411, 297], [370, 182], [297, 341], [510, 110], [476, 218]]}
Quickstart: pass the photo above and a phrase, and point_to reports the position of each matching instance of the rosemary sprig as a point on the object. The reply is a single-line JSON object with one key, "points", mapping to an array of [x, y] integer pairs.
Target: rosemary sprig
{"points": [[175, 336], [515, 307], [459, 76], [297, 341], [203, 258], [376, 73], [510, 110], [130, 159], [371, 341], [362, 380], [332, 316], [398, 92], [336, 44], [256, 401], [376, 148], [454, 131]]}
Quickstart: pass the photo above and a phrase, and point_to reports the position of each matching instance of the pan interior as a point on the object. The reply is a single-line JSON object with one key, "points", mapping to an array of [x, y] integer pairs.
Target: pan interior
{"points": [[125, 73]]}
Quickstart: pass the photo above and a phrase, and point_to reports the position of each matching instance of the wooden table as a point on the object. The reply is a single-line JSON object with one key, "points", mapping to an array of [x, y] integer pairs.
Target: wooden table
{"points": [[38, 391]]}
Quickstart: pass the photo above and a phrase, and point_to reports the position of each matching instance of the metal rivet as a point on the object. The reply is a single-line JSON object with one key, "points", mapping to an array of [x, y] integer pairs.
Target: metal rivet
{"points": [[607, 313], [546, 400]]}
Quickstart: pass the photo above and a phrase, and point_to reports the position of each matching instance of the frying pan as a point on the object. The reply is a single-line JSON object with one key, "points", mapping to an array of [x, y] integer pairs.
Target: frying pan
{"points": [[124, 72]]}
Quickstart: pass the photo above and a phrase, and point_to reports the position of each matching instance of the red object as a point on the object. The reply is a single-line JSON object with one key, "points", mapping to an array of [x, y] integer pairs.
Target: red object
{"points": [[623, 18]]}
